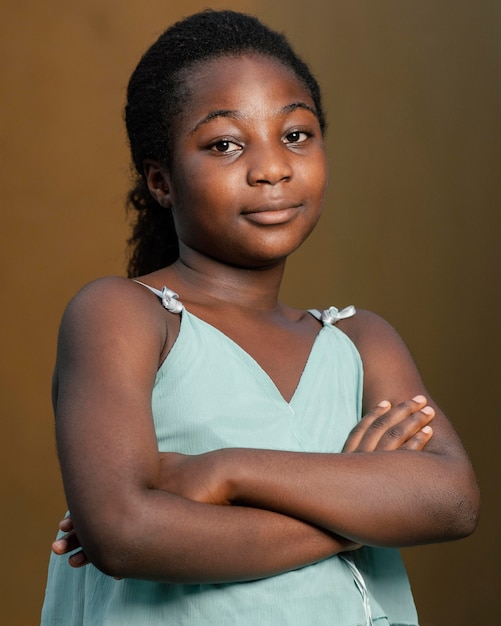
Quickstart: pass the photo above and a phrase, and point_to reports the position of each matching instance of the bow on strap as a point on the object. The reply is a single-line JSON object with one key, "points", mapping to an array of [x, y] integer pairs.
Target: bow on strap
{"points": [[332, 315], [170, 300]]}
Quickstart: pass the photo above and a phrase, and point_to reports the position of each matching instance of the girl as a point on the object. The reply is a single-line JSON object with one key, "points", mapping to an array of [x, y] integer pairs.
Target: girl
{"points": [[214, 461]]}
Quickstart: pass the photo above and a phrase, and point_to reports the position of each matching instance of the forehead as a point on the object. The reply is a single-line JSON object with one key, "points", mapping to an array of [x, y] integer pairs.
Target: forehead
{"points": [[239, 82]]}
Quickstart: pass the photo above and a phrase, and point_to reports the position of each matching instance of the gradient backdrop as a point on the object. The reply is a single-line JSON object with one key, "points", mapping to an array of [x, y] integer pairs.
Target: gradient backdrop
{"points": [[411, 229]]}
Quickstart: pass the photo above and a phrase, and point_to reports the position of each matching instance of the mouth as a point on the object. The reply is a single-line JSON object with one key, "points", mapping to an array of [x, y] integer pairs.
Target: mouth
{"points": [[272, 212]]}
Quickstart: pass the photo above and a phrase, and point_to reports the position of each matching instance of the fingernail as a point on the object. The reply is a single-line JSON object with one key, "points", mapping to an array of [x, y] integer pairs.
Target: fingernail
{"points": [[59, 544], [419, 399], [426, 429], [384, 403], [427, 410]]}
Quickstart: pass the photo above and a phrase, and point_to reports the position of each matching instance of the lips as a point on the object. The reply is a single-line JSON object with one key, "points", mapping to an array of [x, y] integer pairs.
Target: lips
{"points": [[272, 212]]}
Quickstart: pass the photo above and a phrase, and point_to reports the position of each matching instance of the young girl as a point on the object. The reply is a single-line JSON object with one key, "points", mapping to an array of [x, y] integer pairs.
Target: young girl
{"points": [[214, 458]]}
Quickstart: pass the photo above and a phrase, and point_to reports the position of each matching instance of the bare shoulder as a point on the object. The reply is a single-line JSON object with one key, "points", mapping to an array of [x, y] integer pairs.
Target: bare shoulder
{"points": [[117, 301], [367, 329], [112, 316], [111, 292]]}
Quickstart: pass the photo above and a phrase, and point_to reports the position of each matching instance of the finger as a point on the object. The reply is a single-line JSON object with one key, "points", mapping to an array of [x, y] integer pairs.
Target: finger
{"points": [[390, 430], [66, 524], [66, 544], [419, 440], [358, 433], [79, 559], [402, 432]]}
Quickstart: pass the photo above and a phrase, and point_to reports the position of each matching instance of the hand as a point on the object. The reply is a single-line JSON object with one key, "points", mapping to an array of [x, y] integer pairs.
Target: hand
{"points": [[196, 477], [68, 543], [403, 427]]}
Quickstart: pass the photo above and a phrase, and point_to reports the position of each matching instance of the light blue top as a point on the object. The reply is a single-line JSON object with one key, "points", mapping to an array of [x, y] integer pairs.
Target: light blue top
{"points": [[209, 394]]}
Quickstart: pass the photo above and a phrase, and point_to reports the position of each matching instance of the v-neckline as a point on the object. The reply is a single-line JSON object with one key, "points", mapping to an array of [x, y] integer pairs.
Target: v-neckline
{"points": [[247, 356], [174, 305]]}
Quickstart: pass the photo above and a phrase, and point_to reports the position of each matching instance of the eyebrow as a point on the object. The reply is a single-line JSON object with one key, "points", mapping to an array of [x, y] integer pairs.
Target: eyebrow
{"points": [[288, 108], [214, 114], [236, 115]]}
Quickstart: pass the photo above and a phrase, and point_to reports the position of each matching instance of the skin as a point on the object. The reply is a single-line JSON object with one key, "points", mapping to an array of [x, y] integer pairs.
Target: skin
{"points": [[246, 190]]}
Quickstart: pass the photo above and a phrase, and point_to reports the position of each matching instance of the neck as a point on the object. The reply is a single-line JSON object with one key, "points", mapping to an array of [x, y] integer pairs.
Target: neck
{"points": [[255, 288]]}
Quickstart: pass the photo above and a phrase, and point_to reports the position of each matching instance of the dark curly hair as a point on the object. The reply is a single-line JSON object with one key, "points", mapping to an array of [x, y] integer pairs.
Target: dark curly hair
{"points": [[154, 100]]}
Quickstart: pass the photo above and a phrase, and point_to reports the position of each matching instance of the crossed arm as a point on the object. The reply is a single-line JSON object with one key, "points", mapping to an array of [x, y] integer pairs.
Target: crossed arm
{"points": [[166, 517]]}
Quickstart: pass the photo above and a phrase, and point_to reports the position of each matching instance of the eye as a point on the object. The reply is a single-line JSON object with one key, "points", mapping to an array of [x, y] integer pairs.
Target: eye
{"points": [[297, 136], [224, 146]]}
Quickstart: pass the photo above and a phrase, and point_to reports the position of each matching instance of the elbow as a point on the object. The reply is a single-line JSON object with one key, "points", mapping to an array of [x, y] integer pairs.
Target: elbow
{"points": [[462, 510], [110, 554], [124, 543], [112, 546], [110, 561], [468, 513]]}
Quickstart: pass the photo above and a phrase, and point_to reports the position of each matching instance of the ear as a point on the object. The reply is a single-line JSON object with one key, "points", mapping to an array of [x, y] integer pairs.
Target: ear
{"points": [[158, 183]]}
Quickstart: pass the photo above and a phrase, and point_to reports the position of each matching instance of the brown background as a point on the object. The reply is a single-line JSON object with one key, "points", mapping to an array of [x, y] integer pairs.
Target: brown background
{"points": [[411, 229]]}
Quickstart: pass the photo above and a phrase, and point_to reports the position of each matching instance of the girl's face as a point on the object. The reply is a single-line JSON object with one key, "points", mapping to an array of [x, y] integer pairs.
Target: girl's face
{"points": [[249, 169]]}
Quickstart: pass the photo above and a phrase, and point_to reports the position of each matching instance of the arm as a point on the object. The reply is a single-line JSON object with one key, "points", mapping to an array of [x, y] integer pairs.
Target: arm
{"points": [[111, 340], [186, 475], [386, 497]]}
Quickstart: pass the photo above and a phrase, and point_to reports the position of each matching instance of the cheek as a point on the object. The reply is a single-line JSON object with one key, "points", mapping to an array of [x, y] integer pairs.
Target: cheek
{"points": [[324, 184], [202, 183], [317, 176], [323, 167]]}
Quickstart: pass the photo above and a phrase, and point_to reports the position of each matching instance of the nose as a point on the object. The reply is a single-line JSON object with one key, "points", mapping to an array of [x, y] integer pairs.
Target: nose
{"points": [[269, 166]]}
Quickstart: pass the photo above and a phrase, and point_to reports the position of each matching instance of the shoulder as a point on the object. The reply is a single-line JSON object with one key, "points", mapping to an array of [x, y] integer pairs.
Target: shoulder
{"points": [[375, 338], [108, 291], [366, 327], [113, 309], [115, 294]]}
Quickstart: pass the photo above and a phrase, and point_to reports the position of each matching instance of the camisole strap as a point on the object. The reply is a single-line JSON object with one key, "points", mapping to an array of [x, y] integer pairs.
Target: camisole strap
{"points": [[169, 298], [332, 315]]}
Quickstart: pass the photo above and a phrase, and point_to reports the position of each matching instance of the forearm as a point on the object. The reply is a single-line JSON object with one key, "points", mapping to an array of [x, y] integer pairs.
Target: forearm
{"points": [[177, 540], [395, 498]]}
